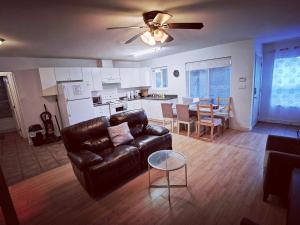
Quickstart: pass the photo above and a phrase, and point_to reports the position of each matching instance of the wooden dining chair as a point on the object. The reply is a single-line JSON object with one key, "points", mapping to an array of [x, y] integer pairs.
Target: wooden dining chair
{"points": [[168, 115], [187, 100], [225, 114], [205, 101], [183, 117], [205, 116]]}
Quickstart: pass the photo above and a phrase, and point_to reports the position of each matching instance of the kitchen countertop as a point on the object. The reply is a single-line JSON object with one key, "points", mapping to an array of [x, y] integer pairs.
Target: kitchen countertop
{"points": [[99, 104], [167, 97]]}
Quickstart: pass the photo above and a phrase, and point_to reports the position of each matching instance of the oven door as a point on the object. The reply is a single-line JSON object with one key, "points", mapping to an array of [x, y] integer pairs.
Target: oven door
{"points": [[114, 109]]}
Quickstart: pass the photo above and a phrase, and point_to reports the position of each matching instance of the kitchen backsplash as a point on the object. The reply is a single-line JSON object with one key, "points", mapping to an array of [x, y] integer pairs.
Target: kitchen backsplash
{"points": [[113, 89]]}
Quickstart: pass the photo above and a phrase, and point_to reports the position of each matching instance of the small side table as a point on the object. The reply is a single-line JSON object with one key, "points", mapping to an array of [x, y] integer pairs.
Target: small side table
{"points": [[167, 160]]}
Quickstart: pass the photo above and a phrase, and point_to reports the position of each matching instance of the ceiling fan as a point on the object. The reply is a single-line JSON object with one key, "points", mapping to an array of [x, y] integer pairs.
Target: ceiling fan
{"points": [[156, 25]]}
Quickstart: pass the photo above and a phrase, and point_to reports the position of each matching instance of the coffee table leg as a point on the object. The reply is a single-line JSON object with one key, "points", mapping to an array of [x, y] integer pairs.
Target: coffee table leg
{"points": [[185, 175], [168, 180], [149, 175]]}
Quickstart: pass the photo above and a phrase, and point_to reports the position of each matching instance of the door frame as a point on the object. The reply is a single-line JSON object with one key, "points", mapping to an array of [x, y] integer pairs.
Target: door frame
{"points": [[258, 59], [13, 94]]}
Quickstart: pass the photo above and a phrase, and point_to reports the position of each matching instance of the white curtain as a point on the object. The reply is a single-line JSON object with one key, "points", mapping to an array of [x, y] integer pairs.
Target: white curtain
{"points": [[280, 100]]}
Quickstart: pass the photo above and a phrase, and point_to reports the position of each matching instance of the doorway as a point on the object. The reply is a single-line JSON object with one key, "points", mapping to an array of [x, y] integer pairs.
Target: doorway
{"points": [[256, 89], [10, 114], [7, 119]]}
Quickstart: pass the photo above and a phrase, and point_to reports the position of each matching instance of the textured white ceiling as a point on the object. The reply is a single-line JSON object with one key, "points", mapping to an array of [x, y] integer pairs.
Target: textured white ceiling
{"points": [[76, 28]]}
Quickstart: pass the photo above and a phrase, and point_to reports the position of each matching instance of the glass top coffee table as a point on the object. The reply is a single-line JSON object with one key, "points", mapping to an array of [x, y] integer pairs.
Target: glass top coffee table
{"points": [[167, 160]]}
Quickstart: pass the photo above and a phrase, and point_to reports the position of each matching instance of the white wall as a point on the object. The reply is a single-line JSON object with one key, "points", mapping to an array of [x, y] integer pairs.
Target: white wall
{"points": [[242, 56], [29, 85]]}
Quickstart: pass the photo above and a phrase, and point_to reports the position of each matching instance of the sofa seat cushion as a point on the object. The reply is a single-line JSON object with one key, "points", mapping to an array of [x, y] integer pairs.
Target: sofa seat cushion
{"points": [[115, 159]]}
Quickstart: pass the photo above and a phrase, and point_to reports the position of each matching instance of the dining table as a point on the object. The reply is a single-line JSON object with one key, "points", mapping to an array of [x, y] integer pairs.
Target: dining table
{"points": [[217, 110]]}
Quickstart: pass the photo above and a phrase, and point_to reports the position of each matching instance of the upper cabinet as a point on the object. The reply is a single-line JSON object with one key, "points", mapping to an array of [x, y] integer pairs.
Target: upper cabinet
{"points": [[110, 75], [145, 77], [134, 77], [93, 78], [48, 81], [68, 74]]}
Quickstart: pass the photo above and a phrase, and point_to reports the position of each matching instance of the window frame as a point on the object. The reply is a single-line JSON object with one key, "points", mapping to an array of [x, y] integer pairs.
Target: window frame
{"points": [[208, 80], [154, 73]]}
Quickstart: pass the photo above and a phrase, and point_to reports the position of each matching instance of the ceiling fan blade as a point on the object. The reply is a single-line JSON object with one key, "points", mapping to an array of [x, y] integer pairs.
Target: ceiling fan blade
{"points": [[169, 38], [185, 25], [129, 27], [134, 38], [161, 18]]}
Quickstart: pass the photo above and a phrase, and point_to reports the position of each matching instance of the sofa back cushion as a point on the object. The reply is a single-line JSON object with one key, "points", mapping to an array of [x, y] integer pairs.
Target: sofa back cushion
{"points": [[136, 119], [90, 134]]}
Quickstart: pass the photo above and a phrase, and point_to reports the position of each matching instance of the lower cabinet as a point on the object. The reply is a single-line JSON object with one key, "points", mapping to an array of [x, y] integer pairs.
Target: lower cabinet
{"points": [[102, 110], [153, 108], [134, 104]]}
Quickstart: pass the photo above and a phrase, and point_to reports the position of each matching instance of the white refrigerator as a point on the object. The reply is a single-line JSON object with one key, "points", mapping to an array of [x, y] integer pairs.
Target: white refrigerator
{"points": [[75, 102]]}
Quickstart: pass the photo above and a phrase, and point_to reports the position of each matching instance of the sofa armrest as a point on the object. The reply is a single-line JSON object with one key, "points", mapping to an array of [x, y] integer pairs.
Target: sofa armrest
{"points": [[283, 144], [84, 158], [155, 130]]}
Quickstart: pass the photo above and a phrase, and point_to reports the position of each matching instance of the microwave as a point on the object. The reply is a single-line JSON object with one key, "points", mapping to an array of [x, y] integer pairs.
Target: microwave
{"points": [[97, 100]]}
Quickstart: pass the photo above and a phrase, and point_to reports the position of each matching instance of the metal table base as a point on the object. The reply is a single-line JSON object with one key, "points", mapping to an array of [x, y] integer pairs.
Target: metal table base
{"points": [[168, 181]]}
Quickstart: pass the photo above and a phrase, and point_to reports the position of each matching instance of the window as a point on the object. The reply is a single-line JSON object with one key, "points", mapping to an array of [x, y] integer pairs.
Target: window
{"points": [[286, 82], [212, 83], [160, 77]]}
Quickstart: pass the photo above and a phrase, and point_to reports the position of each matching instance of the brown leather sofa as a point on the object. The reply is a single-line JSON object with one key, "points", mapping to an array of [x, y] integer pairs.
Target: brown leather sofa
{"points": [[97, 164], [283, 155]]}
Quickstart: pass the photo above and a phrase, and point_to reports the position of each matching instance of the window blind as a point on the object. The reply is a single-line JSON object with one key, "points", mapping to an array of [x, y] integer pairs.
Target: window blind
{"points": [[210, 63]]}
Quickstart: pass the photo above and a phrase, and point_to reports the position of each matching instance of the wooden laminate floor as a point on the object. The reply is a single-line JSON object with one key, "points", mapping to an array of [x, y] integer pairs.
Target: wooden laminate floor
{"points": [[224, 185]]}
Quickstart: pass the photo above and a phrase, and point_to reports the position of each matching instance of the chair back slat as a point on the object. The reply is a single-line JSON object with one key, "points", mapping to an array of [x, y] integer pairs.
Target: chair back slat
{"points": [[226, 102], [167, 110], [205, 101], [183, 112], [205, 110]]}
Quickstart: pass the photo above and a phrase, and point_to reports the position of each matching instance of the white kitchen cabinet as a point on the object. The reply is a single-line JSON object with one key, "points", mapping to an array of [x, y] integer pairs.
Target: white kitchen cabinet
{"points": [[68, 74], [62, 74], [75, 73], [134, 104], [144, 77], [146, 106], [97, 79], [130, 77], [93, 78], [102, 110], [135, 77], [110, 75], [48, 81], [87, 77]]}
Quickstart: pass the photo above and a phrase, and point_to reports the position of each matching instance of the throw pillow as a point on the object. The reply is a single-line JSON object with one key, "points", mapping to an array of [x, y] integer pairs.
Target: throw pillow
{"points": [[120, 134]]}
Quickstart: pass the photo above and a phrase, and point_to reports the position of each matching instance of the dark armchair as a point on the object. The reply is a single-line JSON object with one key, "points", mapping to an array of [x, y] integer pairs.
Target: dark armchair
{"points": [[283, 155]]}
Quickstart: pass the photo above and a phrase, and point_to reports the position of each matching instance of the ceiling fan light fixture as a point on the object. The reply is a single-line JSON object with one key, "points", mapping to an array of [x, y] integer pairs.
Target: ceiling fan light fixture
{"points": [[164, 38], [148, 38], [1, 41]]}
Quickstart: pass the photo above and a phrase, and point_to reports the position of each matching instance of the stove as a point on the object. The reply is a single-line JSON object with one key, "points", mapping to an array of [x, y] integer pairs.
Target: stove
{"points": [[115, 104]]}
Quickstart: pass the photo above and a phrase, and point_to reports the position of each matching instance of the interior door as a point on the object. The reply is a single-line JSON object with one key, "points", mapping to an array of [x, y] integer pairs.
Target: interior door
{"points": [[7, 112], [257, 89]]}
